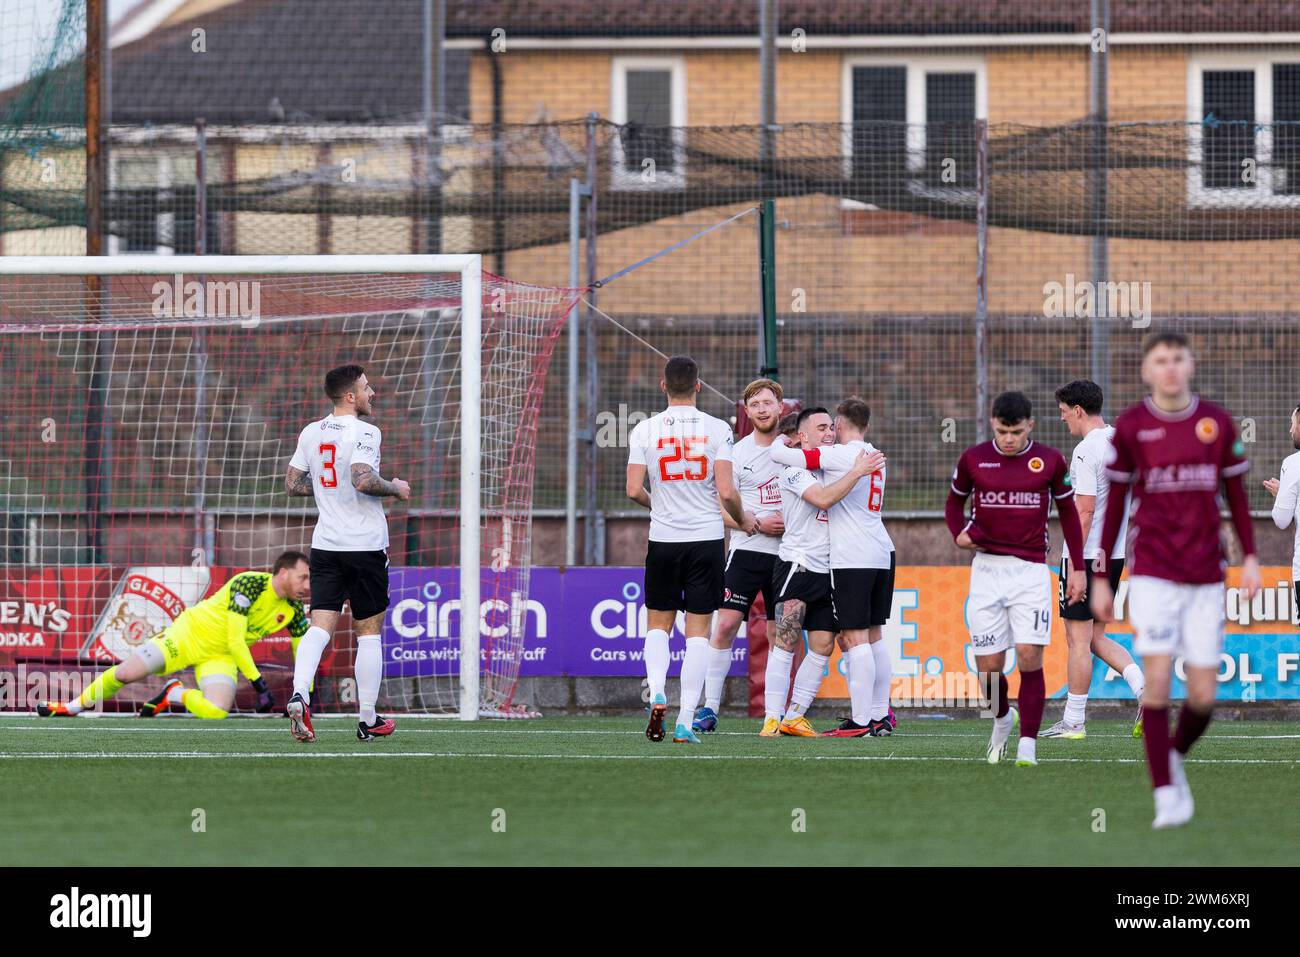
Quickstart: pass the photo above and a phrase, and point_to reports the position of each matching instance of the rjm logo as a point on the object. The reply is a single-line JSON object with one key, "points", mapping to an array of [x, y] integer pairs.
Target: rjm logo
{"points": [[76, 910], [218, 300], [1098, 300]]}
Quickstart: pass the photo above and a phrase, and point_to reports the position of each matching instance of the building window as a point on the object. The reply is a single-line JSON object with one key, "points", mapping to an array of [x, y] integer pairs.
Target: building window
{"points": [[911, 123], [649, 102], [145, 186], [1244, 131]]}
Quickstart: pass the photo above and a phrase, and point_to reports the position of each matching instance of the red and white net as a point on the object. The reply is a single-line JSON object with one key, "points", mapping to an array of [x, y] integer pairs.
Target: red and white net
{"points": [[145, 437]]}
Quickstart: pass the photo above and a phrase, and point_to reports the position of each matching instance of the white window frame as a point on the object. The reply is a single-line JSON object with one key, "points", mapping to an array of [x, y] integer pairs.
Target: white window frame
{"points": [[620, 176], [918, 65], [164, 224], [1261, 62]]}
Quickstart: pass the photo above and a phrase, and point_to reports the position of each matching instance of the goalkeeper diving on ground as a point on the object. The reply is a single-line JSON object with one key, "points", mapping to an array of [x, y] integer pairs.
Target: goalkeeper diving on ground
{"points": [[214, 637]]}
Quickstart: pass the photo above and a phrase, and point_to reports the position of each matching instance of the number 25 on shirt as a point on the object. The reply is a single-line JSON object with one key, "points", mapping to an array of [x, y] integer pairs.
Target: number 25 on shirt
{"points": [[696, 467]]}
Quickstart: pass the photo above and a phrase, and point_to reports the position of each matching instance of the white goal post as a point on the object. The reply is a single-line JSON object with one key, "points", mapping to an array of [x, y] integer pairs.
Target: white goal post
{"points": [[467, 267]]}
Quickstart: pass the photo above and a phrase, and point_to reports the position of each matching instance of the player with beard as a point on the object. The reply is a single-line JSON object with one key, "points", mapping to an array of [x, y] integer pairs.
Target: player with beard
{"points": [[754, 543]]}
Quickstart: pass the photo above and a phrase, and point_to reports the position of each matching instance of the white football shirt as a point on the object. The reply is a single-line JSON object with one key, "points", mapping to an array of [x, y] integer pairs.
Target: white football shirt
{"points": [[759, 480], [678, 448], [1088, 476], [858, 536], [1286, 507], [807, 538], [349, 521]]}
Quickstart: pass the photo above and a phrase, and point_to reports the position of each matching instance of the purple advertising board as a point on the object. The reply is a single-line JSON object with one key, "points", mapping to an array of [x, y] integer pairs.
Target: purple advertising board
{"points": [[576, 621]]}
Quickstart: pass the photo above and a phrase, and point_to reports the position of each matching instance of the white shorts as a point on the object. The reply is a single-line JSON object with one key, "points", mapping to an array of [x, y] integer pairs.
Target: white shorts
{"points": [[1010, 603], [1175, 618]]}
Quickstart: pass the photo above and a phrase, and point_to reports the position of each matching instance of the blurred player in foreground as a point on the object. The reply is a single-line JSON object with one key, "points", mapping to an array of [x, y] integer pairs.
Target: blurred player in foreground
{"points": [[1013, 480], [803, 576], [686, 456], [1174, 449], [214, 637], [1080, 404], [337, 462], [753, 545]]}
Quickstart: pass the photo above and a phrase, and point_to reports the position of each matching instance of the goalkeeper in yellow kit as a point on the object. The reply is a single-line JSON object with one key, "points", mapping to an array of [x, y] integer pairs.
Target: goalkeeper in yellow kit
{"points": [[214, 636]]}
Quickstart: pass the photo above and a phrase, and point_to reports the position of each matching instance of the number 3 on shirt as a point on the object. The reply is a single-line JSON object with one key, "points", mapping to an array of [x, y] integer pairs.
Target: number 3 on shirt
{"points": [[327, 452], [677, 447]]}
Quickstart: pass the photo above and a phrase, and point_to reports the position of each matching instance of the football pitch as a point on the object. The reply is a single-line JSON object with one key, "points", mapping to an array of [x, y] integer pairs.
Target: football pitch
{"points": [[575, 791]]}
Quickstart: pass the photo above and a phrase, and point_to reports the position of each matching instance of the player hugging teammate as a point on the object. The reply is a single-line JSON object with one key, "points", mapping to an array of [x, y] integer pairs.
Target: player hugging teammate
{"points": [[787, 509]]}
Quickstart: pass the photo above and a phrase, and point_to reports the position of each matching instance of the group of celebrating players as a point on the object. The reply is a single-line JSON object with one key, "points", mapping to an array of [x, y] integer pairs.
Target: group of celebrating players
{"points": [[802, 498]]}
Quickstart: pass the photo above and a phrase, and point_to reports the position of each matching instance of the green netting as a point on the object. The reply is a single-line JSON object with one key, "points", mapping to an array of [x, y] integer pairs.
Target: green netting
{"points": [[42, 112]]}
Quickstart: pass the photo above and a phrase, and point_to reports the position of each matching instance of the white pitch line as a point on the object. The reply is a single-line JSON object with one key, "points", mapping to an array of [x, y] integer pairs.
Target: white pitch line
{"points": [[238, 755], [189, 726]]}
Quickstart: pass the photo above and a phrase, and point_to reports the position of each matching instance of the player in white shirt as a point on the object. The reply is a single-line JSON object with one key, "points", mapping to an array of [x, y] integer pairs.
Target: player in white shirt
{"points": [[1286, 507], [1080, 405], [337, 462], [686, 456], [753, 543], [862, 569], [803, 577]]}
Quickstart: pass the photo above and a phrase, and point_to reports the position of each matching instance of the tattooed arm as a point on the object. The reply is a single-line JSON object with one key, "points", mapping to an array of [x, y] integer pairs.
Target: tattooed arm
{"points": [[367, 481], [297, 482]]}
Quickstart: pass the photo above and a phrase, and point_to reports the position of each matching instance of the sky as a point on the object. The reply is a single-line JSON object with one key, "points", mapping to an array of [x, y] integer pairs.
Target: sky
{"points": [[25, 24]]}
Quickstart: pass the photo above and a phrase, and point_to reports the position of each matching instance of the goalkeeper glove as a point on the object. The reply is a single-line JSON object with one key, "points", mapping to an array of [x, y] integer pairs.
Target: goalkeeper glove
{"points": [[265, 700]]}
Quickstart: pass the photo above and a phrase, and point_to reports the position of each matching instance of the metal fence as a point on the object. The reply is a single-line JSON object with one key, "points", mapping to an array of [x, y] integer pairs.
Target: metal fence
{"points": [[925, 259]]}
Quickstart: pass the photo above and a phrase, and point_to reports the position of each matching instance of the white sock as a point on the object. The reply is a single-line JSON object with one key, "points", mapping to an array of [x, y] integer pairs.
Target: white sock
{"points": [[176, 695], [307, 660], [776, 682], [656, 660], [715, 679], [1027, 750], [369, 671], [884, 675], [807, 682], [694, 666], [862, 681], [1074, 707], [1133, 675], [74, 706]]}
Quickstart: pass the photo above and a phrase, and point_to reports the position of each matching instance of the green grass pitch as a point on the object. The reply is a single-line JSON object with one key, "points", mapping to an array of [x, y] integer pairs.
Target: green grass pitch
{"points": [[567, 791]]}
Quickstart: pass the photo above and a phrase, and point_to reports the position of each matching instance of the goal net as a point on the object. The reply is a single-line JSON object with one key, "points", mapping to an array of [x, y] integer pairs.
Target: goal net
{"points": [[151, 420]]}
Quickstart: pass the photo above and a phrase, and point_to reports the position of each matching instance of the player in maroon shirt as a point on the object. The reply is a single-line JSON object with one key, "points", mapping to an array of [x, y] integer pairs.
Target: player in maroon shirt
{"points": [[1174, 449], [1013, 479]]}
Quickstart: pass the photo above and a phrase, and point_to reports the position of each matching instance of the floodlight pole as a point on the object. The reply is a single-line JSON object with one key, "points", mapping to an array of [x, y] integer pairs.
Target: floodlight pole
{"points": [[1097, 167], [98, 440], [767, 260], [767, 19], [981, 278]]}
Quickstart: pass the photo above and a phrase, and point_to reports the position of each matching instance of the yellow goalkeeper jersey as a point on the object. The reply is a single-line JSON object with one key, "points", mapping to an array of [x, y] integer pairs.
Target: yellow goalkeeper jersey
{"points": [[245, 610]]}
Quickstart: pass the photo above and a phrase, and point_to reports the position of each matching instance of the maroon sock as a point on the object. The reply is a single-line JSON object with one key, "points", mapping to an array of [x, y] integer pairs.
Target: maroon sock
{"points": [[1033, 693], [1155, 734], [1191, 725]]}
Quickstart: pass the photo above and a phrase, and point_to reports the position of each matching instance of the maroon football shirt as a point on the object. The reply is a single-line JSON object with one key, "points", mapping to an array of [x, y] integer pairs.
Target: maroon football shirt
{"points": [[1008, 514], [1175, 461]]}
